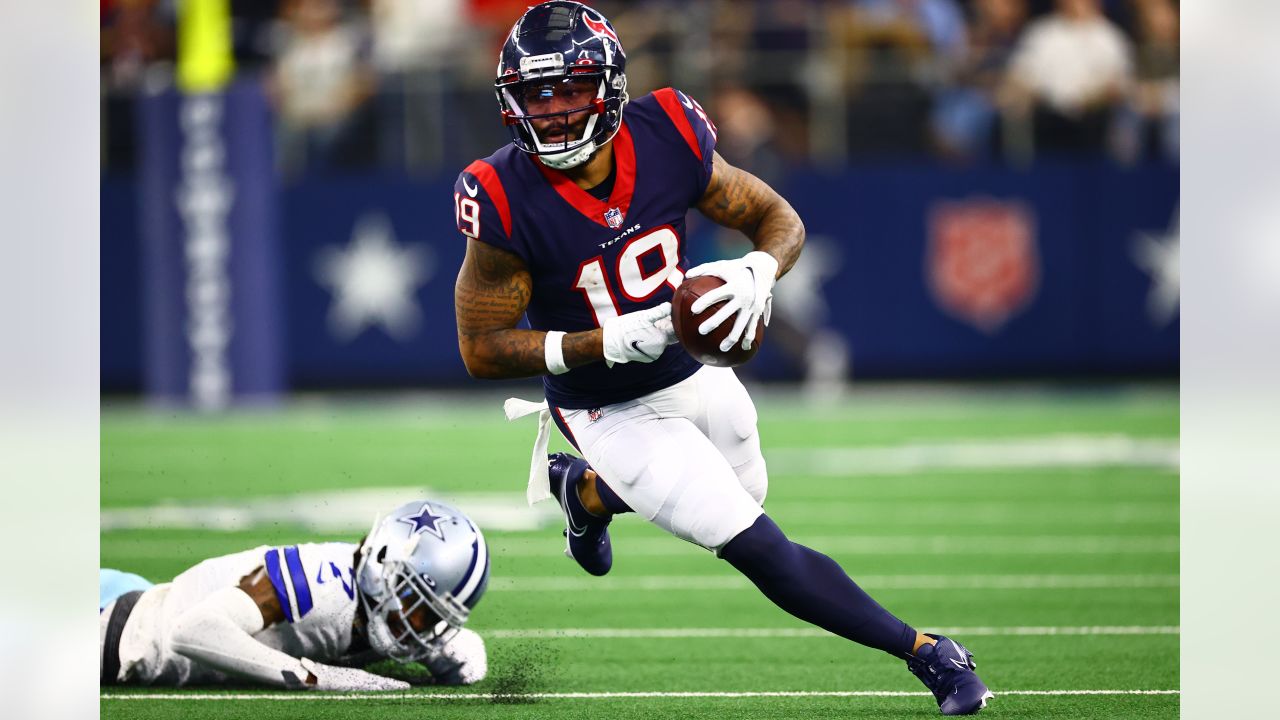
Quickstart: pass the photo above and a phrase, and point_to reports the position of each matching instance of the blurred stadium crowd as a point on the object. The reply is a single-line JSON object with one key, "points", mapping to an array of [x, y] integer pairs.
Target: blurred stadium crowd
{"points": [[407, 84]]}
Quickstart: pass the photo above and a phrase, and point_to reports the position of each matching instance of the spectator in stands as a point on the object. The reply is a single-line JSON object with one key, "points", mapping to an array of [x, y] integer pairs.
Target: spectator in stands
{"points": [[254, 25], [319, 85], [1150, 117], [135, 33], [1069, 72], [136, 41], [415, 54], [894, 53], [964, 120]]}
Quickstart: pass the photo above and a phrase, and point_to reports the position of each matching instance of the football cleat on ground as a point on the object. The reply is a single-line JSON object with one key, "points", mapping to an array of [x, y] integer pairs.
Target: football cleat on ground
{"points": [[947, 669], [587, 535]]}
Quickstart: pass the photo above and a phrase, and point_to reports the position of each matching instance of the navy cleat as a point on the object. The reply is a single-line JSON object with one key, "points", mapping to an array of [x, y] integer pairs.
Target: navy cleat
{"points": [[947, 669], [587, 534]]}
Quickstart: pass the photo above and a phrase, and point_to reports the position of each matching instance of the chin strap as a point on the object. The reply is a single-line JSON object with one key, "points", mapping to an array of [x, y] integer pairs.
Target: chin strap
{"points": [[571, 159]]}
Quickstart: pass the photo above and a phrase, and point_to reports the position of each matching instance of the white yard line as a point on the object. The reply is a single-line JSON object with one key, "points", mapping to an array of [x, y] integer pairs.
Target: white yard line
{"points": [[1052, 451], [352, 510], [897, 545], [952, 545], [556, 583], [595, 695], [679, 633]]}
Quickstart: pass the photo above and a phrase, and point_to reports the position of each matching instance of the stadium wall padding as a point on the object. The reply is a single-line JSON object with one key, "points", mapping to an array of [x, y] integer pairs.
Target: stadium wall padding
{"points": [[923, 271]]}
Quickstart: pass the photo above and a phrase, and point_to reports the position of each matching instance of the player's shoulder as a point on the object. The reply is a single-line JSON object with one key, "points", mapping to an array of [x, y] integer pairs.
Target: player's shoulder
{"points": [[662, 104], [674, 113], [488, 189], [502, 164], [310, 576]]}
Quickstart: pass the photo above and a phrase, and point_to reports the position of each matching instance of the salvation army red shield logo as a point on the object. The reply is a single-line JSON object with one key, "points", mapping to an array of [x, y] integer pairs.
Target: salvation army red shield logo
{"points": [[982, 264]]}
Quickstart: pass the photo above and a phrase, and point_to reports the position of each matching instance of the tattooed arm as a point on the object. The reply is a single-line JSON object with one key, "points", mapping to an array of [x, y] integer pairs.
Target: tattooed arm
{"points": [[491, 294], [737, 199]]}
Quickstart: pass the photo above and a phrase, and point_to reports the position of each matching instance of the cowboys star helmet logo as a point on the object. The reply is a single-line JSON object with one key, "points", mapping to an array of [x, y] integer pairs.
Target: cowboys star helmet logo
{"points": [[425, 521]]}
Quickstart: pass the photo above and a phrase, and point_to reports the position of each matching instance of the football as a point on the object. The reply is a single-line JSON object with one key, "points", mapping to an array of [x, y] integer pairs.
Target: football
{"points": [[706, 348]]}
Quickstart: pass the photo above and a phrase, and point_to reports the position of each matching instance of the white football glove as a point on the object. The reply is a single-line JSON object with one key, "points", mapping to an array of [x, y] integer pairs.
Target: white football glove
{"points": [[344, 679], [462, 661], [638, 336], [747, 290]]}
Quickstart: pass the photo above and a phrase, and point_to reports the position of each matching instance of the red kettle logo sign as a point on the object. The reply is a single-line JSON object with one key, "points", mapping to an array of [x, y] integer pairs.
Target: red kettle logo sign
{"points": [[982, 265]]}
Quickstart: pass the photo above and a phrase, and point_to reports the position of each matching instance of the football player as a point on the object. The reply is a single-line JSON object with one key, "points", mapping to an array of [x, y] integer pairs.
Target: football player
{"points": [[308, 616], [578, 225]]}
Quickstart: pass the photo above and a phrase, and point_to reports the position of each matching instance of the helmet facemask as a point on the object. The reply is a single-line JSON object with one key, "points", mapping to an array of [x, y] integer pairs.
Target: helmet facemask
{"points": [[589, 121], [407, 618]]}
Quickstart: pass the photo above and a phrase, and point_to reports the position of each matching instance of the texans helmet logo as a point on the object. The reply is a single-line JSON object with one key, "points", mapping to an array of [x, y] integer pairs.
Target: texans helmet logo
{"points": [[599, 27]]}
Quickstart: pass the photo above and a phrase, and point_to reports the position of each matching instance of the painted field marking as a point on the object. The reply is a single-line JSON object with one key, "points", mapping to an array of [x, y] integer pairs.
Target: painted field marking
{"points": [[1010, 453], [879, 582], [352, 510], [313, 695], [675, 633], [897, 545], [528, 546]]}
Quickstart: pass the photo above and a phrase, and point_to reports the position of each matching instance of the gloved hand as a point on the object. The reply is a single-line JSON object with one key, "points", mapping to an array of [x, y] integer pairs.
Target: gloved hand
{"points": [[638, 336], [344, 679], [462, 661], [748, 291]]}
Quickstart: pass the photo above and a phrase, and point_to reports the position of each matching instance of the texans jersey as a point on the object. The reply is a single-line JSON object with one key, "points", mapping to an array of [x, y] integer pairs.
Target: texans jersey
{"points": [[313, 583], [593, 259]]}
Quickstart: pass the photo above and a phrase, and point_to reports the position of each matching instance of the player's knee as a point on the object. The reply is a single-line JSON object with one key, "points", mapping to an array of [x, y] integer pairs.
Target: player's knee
{"points": [[762, 543]]}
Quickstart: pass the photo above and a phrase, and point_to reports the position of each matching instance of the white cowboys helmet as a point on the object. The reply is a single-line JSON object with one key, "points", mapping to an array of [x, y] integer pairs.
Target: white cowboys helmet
{"points": [[421, 570]]}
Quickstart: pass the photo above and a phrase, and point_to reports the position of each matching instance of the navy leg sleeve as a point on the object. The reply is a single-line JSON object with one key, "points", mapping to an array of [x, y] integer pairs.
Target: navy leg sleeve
{"points": [[814, 588]]}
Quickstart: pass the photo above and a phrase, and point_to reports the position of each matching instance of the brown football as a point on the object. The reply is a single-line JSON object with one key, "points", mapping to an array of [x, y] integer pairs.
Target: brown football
{"points": [[706, 348]]}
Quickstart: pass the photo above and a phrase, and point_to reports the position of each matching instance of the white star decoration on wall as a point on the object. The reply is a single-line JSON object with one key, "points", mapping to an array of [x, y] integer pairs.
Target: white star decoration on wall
{"points": [[1157, 255], [373, 280]]}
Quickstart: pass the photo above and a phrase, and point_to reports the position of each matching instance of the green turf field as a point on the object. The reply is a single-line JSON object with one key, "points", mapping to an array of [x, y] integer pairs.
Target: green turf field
{"points": [[1038, 527]]}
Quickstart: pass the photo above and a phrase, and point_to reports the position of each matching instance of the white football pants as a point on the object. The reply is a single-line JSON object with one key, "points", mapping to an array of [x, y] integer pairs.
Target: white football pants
{"points": [[686, 457]]}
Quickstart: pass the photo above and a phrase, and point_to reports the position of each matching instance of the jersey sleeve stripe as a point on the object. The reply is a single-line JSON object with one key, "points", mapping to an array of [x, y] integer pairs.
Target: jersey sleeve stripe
{"points": [[301, 588], [272, 562], [671, 104], [488, 178]]}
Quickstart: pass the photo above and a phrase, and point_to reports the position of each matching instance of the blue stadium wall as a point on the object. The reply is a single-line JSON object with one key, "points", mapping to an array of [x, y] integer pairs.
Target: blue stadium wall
{"points": [[926, 272]]}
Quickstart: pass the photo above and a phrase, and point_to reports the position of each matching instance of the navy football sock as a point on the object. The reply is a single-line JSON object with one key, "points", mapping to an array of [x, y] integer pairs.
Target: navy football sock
{"points": [[612, 502], [814, 588]]}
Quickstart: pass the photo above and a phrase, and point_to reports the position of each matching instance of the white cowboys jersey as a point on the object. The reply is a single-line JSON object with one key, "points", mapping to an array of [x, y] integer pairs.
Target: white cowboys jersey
{"points": [[313, 583]]}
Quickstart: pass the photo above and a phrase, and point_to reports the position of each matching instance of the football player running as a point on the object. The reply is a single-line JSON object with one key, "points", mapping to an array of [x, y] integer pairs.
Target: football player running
{"points": [[306, 617], [578, 225]]}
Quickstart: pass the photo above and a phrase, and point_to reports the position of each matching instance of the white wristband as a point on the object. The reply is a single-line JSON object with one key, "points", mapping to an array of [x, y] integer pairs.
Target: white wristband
{"points": [[555, 353]]}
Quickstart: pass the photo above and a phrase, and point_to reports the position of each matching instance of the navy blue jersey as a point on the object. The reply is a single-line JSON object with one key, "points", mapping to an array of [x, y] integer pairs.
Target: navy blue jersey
{"points": [[591, 259]]}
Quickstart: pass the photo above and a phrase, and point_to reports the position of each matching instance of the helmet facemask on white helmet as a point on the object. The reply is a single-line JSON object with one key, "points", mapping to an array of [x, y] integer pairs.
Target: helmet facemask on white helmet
{"points": [[408, 616]]}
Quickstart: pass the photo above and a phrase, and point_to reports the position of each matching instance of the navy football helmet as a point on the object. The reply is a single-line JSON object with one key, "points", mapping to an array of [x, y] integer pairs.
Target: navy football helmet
{"points": [[562, 59]]}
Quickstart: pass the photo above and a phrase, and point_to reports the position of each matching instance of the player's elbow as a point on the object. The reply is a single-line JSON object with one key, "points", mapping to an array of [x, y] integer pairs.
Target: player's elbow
{"points": [[476, 360]]}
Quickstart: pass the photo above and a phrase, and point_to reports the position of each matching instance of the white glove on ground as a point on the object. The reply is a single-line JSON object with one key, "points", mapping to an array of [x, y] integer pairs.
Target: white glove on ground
{"points": [[344, 679], [462, 661], [638, 336], [748, 289]]}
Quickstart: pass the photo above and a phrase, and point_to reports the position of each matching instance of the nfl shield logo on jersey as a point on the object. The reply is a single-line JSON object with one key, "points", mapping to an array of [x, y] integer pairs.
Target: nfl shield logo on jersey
{"points": [[614, 217]]}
